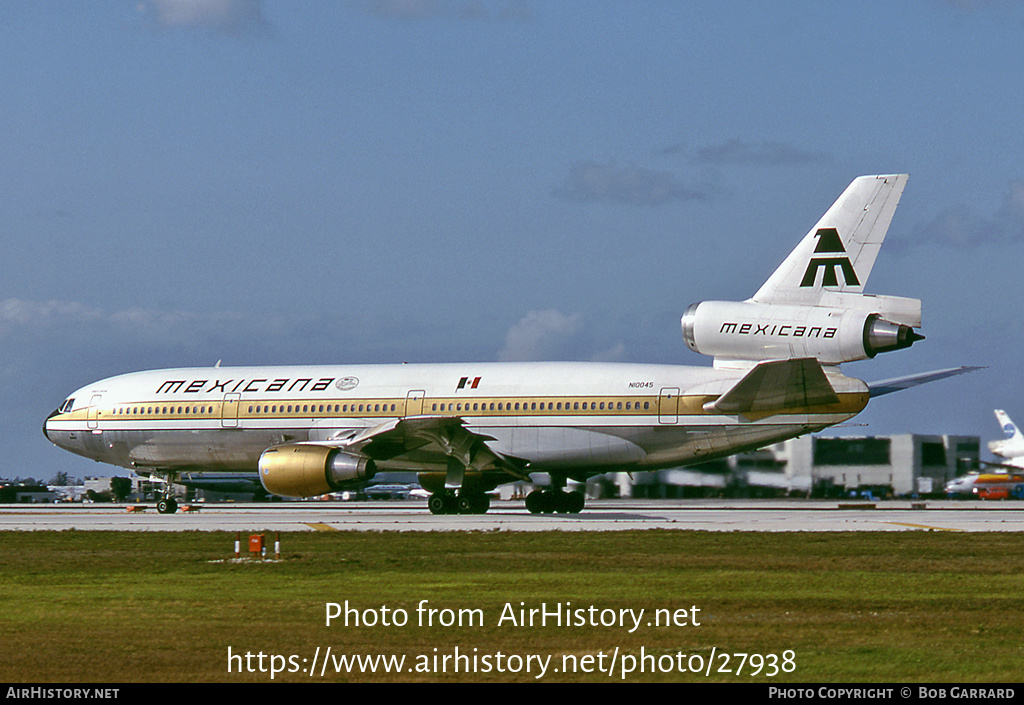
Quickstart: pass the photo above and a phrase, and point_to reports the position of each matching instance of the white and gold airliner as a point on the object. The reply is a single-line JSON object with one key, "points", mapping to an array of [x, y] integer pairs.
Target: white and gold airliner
{"points": [[467, 427]]}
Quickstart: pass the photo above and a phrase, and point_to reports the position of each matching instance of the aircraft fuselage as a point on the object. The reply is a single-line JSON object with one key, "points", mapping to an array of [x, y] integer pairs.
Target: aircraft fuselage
{"points": [[579, 419]]}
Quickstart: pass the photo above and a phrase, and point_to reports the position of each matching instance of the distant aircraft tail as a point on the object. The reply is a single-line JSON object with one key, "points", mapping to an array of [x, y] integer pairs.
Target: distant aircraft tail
{"points": [[813, 305], [1012, 446], [1009, 427]]}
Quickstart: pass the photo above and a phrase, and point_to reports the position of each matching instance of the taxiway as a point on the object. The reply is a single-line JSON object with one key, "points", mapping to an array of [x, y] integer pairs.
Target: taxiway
{"points": [[606, 515]]}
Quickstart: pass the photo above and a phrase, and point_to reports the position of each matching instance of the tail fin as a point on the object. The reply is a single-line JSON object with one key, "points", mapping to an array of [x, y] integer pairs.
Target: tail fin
{"points": [[814, 305], [838, 253], [1008, 426], [1013, 445]]}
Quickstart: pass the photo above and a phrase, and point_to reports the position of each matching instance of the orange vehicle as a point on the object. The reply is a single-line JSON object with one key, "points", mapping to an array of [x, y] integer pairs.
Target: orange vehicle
{"points": [[998, 486]]}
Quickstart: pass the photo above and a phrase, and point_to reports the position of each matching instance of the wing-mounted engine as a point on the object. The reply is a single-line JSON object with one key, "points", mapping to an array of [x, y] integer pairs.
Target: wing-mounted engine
{"points": [[746, 330], [308, 470]]}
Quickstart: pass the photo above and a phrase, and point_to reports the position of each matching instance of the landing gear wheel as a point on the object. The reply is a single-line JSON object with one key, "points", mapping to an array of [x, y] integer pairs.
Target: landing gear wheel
{"points": [[438, 503], [536, 502], [167, 505], [483, 503], [554, 501], [574, 502], [472, 503], [461, 503]]}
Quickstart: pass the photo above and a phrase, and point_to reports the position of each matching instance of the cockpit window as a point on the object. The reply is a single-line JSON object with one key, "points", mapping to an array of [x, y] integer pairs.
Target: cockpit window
{"points": [[68, 406]]}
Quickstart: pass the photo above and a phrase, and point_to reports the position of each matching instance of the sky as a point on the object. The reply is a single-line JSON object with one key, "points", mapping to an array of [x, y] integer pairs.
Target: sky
{"points": [[358, 181]]}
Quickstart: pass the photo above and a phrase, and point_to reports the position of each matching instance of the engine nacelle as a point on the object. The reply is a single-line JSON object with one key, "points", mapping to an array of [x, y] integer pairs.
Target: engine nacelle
{"points": [[301, 470], [746, 330]]}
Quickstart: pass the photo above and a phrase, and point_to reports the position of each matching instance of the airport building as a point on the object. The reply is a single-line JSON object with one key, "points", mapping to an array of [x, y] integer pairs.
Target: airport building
{"points": [[908, 463], [900, 465], [26, 494]]}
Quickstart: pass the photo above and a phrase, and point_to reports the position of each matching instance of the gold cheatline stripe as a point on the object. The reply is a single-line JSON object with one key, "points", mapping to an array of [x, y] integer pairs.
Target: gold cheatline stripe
{"points": [[685, 406], [370, 407]]}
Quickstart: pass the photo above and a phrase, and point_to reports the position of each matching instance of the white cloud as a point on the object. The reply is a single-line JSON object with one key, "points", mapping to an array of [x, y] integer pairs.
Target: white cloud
{"points": [[62, 318], [21, 313], [616, 353], [959, 227], [232, 17], [540, 335], [403, 9], [483, 10], [626, 184], [767, 153]]}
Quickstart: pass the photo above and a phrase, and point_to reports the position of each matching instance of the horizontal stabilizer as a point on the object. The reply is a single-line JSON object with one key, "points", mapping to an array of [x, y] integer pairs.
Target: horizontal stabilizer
{"points": [[777, 385], [888, 386]]}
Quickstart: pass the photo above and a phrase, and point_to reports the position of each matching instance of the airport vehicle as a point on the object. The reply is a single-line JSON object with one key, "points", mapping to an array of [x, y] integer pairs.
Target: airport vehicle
{"points": [[467, 427], [392, 490]]}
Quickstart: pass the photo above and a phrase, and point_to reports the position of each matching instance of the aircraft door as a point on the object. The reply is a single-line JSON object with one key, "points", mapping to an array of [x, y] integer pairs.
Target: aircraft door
{"points": [[92, 420], [229, 410], [668, 405], [414, 402]]}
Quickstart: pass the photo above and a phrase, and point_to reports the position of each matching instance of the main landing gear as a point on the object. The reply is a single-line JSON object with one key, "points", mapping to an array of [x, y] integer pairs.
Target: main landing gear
{"points": [[166, 505], [448, 502], [554, 502]]}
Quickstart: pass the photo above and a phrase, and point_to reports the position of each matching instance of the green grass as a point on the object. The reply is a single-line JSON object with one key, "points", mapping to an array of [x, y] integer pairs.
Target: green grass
{"points": [[870, 607]]}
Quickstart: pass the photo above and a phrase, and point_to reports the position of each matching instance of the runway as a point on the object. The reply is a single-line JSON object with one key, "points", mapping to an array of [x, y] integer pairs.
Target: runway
{"points": [[599, 515]]}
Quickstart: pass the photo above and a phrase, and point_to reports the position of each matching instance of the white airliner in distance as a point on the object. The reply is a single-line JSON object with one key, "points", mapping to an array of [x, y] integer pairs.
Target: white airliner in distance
{"points": [[1008, 478], [1011, 447], [468, 427]]}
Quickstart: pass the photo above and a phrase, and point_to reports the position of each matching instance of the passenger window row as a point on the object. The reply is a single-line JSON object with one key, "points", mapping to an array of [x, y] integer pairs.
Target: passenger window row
{"points": [[320, 409], [590, 406], [164, 411], [486, 407]]}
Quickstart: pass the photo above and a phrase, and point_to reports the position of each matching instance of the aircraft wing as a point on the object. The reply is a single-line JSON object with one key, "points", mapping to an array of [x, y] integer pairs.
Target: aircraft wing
{"points": [[445, 435], [888, 386], [777, 385]]}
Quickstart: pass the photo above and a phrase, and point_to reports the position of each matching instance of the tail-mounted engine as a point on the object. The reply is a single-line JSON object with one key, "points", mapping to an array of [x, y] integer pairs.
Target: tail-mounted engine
{"points": [[303, 470], [758, 331]]}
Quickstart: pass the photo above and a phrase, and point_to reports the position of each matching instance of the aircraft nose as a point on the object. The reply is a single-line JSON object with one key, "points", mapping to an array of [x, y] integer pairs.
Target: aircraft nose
{"points": [[55, 412]]}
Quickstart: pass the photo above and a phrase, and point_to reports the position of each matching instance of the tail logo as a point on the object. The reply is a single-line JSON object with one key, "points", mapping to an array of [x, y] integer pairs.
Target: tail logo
{"points": [[829, 243]]}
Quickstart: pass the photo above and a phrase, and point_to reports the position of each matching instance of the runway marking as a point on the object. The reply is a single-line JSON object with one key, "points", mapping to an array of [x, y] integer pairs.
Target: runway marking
{"points": [[320, 527], [922, 526]]}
